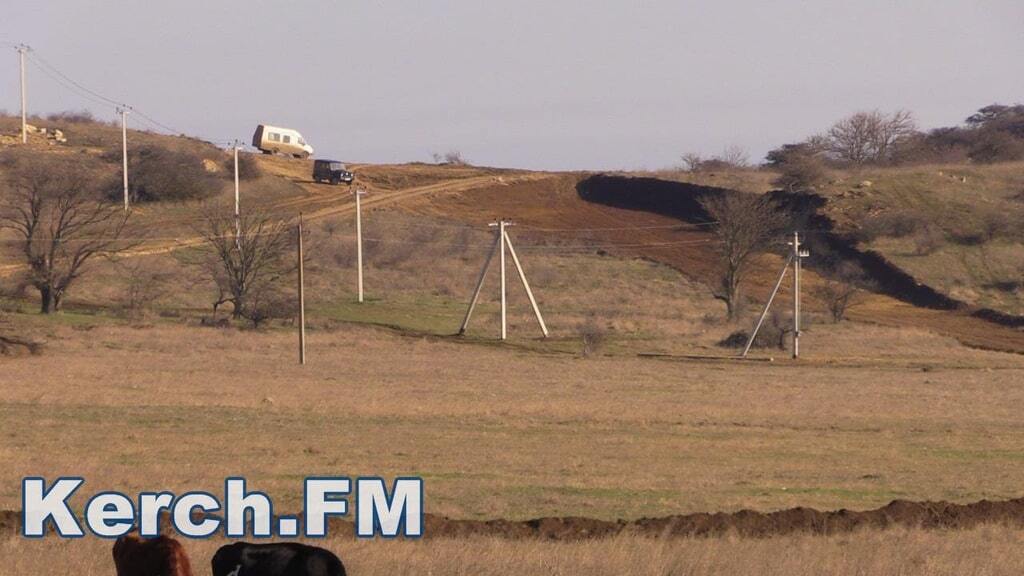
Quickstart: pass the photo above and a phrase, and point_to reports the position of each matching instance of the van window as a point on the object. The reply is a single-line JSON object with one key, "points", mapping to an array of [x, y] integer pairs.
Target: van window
{"points": [[274, 137], [286, 139]]}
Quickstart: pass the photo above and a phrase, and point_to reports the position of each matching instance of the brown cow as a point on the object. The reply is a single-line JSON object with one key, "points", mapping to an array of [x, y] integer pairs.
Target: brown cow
{"points": [[160, 556]]}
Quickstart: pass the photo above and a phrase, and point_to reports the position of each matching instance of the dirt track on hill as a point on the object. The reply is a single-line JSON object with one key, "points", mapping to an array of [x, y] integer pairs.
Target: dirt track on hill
{"points": [[745, 523]]}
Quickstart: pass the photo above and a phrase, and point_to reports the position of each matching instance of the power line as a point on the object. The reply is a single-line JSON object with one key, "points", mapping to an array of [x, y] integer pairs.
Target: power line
{"points": [[34, 56], [624, 228]]}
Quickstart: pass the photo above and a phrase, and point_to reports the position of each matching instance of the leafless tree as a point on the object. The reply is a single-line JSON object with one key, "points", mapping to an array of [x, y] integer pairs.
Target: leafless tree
{"points": [[843, 290], [692, 161], [746, 225], [730, 158], [145, 282], [870, 136], [735, 156], [247, 266], [54, 207]]}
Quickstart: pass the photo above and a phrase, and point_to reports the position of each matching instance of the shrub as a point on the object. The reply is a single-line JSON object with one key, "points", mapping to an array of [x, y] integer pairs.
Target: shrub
{"points": [[890, 224], [928, 240], [158, 174], [248, 166], [72, 117], [801, 173], [593, 337]]}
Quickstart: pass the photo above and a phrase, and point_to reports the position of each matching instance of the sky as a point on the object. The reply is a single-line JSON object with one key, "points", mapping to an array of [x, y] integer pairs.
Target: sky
{"points": [[540, 84]]}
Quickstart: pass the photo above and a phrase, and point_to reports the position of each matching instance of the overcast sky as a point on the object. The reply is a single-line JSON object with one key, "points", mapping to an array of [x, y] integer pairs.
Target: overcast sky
{"points": [[557, 84]]}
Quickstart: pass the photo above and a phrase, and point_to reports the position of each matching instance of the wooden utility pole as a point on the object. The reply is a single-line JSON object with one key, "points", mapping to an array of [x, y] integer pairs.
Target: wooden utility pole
{"points": [[302, 299]]}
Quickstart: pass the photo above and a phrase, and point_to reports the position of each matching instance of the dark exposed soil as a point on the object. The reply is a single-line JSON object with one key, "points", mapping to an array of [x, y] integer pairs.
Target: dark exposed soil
{"points": [[746, 523], [681, 200]]}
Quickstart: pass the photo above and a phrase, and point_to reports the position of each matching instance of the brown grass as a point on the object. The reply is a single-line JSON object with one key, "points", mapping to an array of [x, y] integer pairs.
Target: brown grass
{"points": [[502, 433], [989, 551]]}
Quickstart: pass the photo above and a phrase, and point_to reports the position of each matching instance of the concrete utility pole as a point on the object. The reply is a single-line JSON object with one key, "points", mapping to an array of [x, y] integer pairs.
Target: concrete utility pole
{"points": [[24, 102], [124, 153], [504, 304], [359, 241], [501, 242], [238, 212], [302, 299], [794, 258], [798, 255]]}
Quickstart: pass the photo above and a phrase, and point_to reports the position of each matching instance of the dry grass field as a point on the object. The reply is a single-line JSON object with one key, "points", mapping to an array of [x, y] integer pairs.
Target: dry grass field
{"points": [[891, 405], [503, 432]]}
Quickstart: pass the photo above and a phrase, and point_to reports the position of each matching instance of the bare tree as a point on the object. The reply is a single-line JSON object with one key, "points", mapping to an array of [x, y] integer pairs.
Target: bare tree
{"points": [[692, 161], [735, 156], [54, 207], [746, 225], [843, 290], [145, 282], [730, 158], [247, 266], [870, 136]]}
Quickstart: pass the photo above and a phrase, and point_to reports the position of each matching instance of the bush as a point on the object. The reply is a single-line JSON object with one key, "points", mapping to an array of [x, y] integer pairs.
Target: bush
{"points": [[72, 117], [800, 173], [158, 174], [248, 166], [593, 337], [892, 224], [928, 241]]}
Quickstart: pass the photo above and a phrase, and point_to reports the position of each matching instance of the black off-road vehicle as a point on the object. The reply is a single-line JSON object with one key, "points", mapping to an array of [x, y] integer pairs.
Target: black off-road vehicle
{"points": [[331, 171]]}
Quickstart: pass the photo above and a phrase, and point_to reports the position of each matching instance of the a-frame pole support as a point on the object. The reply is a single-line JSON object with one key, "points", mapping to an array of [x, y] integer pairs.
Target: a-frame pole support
{"points": [[526, 285], [764, 313], [480, 284]]}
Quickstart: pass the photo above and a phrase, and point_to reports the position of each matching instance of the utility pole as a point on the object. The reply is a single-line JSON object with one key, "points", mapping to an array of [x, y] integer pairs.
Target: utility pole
{"points": [[238, 213], [302, 300], [24, 103], [359, 241], [124, 153], [794, 258], [504, 304], [501, 242], [798, 255]]}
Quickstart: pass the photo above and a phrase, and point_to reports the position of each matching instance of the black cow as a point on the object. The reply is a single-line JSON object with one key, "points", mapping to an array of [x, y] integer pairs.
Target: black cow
{"points": [[282, 559]]}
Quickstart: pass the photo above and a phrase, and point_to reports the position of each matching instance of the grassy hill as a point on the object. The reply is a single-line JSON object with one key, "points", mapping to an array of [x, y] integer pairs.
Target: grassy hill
{"points": [[427, 235]]}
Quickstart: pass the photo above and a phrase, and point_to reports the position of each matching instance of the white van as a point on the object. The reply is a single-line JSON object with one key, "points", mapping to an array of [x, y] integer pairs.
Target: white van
{"points": [[269, 139]]}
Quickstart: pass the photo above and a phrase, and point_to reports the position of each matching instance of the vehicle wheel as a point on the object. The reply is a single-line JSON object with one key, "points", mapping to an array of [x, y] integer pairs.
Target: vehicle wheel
{"points": [[267, 151], [334, 181]]}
